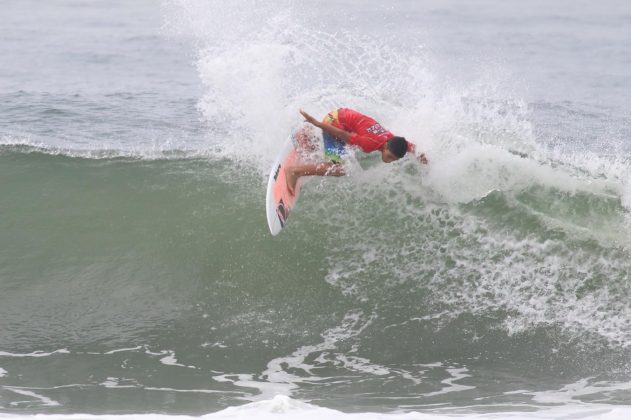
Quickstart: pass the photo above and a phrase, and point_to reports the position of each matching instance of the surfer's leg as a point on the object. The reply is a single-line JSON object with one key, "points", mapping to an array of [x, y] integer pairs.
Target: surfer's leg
{"points": [[292, 173], [333, 151]]}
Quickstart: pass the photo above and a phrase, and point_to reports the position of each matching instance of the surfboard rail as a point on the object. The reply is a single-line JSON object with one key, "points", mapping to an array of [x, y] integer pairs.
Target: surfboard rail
{"points": [[279, 203]]}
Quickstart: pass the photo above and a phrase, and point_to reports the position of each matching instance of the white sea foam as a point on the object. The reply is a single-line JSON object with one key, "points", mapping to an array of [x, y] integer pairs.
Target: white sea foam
{"points": [[537, 281], [597, 391], [170, 360], [278, 377], [45, 401], [34, 354], [456, 374], [283, 66], [281, 407], [124, 350], [477, 136]]}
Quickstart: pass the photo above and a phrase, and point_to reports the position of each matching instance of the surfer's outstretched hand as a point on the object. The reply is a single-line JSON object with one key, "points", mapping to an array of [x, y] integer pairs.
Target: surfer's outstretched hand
{"points": [[309, 118], [422, 159]]}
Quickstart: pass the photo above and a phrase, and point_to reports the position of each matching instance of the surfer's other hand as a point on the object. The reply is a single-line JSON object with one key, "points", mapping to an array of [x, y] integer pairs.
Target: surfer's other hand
{"points": [[422, 159]]}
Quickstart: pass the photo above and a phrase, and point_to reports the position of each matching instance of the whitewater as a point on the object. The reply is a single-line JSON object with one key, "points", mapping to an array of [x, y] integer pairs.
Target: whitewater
{"points": [[137, 275]]}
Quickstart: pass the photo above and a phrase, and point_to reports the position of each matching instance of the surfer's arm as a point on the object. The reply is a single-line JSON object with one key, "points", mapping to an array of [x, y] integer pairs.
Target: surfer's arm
{"points": [[332, 130]]}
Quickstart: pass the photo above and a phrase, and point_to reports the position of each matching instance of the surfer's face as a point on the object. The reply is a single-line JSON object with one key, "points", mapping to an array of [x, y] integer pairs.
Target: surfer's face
{"points": [[387, 156]]}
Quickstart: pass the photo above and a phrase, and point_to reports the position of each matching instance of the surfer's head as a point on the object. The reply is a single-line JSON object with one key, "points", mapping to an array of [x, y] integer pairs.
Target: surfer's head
{"points": [[394, 149]]}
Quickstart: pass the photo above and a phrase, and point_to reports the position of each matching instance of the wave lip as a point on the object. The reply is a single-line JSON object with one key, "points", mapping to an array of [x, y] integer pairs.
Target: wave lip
{"points": [[157, 152]]}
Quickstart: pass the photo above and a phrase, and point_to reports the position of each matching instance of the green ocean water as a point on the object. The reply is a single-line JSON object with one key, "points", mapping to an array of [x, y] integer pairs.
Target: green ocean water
{"points": [[104, 254], [152, 285]]}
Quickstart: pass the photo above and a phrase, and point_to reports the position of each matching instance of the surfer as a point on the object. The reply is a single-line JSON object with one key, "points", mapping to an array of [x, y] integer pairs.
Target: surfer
{"points": [[346, 126]]}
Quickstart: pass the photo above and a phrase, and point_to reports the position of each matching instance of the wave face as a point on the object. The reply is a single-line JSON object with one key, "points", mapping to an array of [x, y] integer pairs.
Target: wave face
{"points": [[137, 274]]}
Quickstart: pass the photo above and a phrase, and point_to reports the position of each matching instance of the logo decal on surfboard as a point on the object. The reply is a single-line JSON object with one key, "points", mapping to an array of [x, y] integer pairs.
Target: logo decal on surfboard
{"points": [[282, 212]]}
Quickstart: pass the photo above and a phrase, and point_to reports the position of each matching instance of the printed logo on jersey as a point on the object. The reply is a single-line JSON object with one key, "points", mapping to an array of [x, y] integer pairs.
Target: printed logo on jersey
{"points": [[376, 129]]}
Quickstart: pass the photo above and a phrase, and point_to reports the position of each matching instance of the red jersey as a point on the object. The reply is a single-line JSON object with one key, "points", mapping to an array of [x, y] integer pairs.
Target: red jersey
{"points": [[367, 133]]}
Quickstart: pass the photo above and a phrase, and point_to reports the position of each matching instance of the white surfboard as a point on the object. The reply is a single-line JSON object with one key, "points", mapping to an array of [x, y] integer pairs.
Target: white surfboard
{"points": [[279, 202]]}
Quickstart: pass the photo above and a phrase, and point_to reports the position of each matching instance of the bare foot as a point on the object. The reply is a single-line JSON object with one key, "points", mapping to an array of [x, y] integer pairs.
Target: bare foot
{"points": [[291, 178]]}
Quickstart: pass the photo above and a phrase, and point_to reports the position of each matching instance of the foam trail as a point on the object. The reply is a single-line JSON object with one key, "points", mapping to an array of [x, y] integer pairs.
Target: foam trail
{"points": [[34, 354], [45, 401]]}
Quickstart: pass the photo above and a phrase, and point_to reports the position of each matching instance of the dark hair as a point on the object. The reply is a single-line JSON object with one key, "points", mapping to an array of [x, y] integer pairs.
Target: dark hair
{"points": [[398, 146]]}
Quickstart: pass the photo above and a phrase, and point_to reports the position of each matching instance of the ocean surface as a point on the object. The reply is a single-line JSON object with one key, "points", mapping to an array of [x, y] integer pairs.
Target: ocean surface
{"points": [[138, 278]]}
